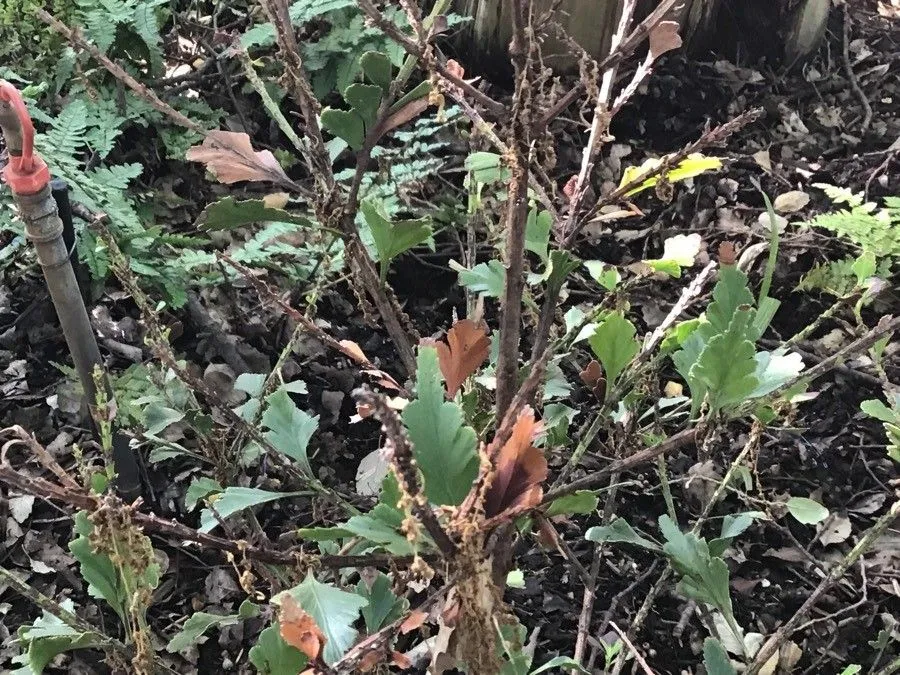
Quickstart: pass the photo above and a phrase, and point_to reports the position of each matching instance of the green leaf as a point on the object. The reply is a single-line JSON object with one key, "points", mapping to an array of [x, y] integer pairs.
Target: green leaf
{"points": [[877, 409], [346, 125], [515, 579], [444, 448], [604, 274], [614, 345], [230, 213], [559, 265], [365, 99], [384, 606], [715, 658], [235, 499], [380, 531], [273, 656], [486, 167], [764, 315], [619, 531], [729, 294], [537, 233], [199, 489], [289, 428], [581, 502], [561, 662], [678, 251], [333, 610], [806, 511], [486, 279], [393, 237], [46, 638], [736, 524], [704, 578], [774, 370], [196, 626], [158, 417], [727, 365], [97, 570], [323, 533], [852, 669], [377, 67], [421, 90]]}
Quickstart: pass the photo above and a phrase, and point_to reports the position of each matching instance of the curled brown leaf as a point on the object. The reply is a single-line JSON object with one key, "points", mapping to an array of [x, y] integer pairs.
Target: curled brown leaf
{"points": [[519, 471], [466, 349], [230, 156]]}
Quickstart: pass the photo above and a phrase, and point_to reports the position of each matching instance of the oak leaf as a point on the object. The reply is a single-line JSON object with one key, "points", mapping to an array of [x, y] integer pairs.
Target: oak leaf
{"points": [[299, 629], [519, 470], [231, 158], [466, 349]]}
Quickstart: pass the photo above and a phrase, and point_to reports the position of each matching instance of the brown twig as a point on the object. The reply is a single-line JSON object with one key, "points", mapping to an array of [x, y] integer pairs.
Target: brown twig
{"points": [[516, 207], [851, 76], [80, 499], [406, 469], [73, 36]]}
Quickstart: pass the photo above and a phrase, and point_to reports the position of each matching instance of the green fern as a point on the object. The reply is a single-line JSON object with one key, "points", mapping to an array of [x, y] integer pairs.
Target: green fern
{"points": [[870, 228]]}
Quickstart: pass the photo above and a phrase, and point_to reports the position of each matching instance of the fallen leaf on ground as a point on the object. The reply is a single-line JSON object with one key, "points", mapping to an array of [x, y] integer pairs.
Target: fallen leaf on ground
{"points": [[468, 349], [299, 629], [519, 471], [231, 158], [415, 619], [664, 37], [353, 350]]}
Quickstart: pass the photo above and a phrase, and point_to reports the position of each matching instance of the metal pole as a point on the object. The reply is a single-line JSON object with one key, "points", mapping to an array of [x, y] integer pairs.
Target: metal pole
{"points": [[29, 179]]}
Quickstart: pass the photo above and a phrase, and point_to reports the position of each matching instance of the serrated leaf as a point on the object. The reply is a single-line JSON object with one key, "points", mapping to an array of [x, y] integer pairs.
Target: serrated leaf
{"points": [[444, 448], [365, 100], [229, 213], [199, 489], [46, 638], [346, 125], [806, 511], [877, 409], [730, 293], [519, 471], [486, 279], [289, 428], [467, 347], [619, 531], [614, 345], [704, 578], [559, 265], [393, 237], [194, 628], [333, 610], [377, 67], [384, 606], [273, 656], [726, 367], [235, 499], [97, 570], [715, 658], [231, 158]]}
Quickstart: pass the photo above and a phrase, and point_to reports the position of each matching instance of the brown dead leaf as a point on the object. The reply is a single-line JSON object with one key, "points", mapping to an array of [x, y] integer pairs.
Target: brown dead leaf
{"points": [[415, 619], [592, 376], [231, 158], [353, 350], [408, 112], [401, 661], [664, 38], [468, 349], [299, 629], [519, 471], [370, 661], [727, 253]]}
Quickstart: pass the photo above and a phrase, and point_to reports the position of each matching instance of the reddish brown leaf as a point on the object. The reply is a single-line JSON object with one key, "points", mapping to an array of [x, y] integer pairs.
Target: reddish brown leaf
{"points": [[727, 254], [663, 38], [518, 473], [415, 619], [468, 349], [455, 68], [370, 661], [401, 661], [569, 187], [410, 111], [299, 629], [591, 373], [231, 158]]}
